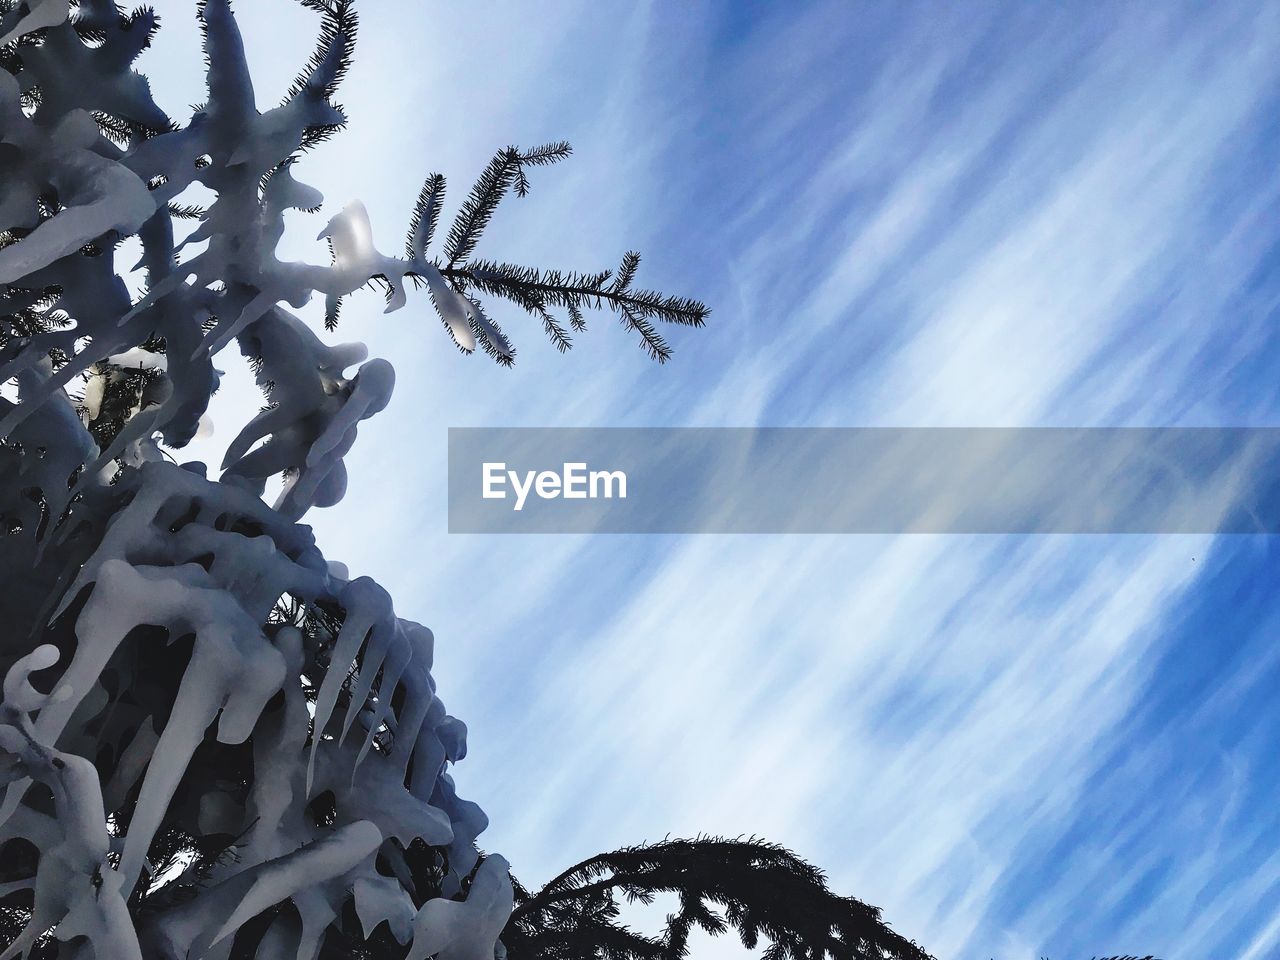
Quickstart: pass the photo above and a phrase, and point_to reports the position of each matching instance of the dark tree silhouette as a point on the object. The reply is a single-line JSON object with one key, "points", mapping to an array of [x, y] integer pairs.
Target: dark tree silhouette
{"points": [[767, 894]]}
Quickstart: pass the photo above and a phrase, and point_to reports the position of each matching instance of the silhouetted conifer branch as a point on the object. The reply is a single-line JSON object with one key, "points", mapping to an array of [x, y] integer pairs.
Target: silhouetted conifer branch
{"points": [[536, 291], [763, 891], [334, 51], [426, 217], [186, 211]]}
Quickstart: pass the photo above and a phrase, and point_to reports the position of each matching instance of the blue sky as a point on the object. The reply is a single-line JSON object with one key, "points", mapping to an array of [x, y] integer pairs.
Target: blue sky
{"points": [[905, 214]]}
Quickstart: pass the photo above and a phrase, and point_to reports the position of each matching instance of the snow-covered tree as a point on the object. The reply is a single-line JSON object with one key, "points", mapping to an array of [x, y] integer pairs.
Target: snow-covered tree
{"points": [[214, 743]]}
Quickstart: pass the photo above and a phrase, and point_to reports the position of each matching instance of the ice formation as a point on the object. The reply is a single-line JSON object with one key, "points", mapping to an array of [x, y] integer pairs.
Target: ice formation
{"points": [[213, 743]]}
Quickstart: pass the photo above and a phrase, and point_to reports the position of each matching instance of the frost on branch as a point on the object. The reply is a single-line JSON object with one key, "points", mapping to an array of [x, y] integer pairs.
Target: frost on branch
{"points": [[213, 743]]}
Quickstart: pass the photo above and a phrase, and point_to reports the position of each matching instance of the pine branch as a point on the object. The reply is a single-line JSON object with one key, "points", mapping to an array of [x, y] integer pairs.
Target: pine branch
{"points": [[650, 339], [478, 209], [332, 312], [504, 171], [547, 154], [536, 291], [335, 49], [763, 890], [537, 157], [328, 66], [565, 289], [426, 217], [186, 211], [490, 336], [627, 271], [555, 333]]}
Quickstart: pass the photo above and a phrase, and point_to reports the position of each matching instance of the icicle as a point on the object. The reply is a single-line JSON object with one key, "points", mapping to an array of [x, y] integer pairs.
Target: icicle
{"points": [[366, 604]]}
